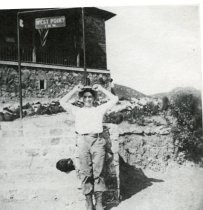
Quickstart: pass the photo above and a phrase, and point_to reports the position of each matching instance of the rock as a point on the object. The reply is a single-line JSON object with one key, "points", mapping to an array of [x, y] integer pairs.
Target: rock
{"points": [[8, 117], [29, 112], [26, 106], [36, 106], [132, 150], [13, 94], [165, 131], [113, 131], [156, 120], [55, 141], [8, 110], [127, 128], [1, 116]]}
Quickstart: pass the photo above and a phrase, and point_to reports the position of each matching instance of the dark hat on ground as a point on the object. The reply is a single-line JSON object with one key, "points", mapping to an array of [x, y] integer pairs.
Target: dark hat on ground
{"points": [[65, 165], [88, 89]]}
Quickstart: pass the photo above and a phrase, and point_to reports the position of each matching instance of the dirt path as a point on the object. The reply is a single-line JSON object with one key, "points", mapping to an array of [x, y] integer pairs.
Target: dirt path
{"points": [[181, 189], [30, 181]]}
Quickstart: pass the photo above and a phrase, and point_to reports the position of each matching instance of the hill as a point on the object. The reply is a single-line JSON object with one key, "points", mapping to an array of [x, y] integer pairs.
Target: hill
{"points": [[177, 91], [126, 92]]}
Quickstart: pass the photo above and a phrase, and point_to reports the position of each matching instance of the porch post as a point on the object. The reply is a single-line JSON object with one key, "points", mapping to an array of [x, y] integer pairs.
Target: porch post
{"points": [[84, 48], [34, 59], [19, 65]]}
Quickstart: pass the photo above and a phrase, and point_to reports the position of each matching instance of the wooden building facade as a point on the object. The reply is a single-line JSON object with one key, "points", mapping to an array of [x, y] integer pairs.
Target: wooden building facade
{"points": [[52, 61], [62, 45]]}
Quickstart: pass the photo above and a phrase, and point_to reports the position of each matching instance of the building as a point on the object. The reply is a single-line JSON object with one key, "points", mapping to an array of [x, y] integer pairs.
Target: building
{"points": [[52, 52]]}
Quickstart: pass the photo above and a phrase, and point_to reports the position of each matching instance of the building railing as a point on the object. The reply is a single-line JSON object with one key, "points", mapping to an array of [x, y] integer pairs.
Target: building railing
{"points": [[9, 52]]}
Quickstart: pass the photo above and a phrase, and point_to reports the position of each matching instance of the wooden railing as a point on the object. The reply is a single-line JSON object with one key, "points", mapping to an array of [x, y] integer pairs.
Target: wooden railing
{"points": [[8, 52], [55, 57]]}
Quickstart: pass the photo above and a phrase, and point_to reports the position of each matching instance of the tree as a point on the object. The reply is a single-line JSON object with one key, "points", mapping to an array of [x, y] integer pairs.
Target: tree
{"points": [[187, 134]]}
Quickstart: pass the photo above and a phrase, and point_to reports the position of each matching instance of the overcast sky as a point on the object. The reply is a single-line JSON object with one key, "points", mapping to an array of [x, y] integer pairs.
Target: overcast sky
{"points": [[154, 48]]}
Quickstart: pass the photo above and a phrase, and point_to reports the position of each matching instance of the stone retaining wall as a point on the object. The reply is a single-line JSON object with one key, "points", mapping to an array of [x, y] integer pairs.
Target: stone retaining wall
{"points": [[42, 82], [150, 146]]}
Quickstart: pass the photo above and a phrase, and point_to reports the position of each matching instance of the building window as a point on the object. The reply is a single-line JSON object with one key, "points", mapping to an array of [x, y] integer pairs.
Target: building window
{"points": [[42, 84]]}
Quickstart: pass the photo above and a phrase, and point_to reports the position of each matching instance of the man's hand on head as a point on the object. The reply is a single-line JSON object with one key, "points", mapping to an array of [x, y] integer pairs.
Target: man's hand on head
{"points": [[97, 87], [79, 87]]}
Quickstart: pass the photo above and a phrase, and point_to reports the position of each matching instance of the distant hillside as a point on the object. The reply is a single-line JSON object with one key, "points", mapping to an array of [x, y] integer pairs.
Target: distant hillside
{"points": [[179, 90], [160, 95], [126, 92]]}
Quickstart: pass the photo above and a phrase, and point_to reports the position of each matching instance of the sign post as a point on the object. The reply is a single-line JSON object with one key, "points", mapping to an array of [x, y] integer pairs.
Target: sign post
{"points": [[84, 49], [19, 66]]}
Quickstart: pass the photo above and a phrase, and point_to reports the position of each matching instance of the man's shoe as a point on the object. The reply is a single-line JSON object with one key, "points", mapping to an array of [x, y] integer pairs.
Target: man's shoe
{"points": [[89, 202], [98, 200]]}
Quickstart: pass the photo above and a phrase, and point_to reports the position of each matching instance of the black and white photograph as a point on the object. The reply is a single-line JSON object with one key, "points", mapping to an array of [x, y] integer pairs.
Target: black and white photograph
{"points": [[101, 107]]}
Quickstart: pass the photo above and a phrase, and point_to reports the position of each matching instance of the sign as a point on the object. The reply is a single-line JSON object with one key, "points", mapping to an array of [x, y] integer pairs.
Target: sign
{"points": [[50, 22]]}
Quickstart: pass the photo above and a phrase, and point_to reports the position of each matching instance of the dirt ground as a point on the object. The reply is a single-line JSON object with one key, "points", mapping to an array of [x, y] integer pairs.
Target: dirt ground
{"points": [[181, 189], [30, 181]]}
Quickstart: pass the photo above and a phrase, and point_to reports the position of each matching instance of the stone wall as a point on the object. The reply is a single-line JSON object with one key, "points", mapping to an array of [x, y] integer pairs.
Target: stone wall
{"points": [[56, 82], [149, 146]]}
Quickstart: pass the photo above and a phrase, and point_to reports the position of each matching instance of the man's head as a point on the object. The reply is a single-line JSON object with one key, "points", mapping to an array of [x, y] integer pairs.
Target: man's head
{"points": [[89, 96]]}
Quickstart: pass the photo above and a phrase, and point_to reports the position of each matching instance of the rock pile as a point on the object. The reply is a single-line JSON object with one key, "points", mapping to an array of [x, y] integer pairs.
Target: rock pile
{"points": [[38, 108]]}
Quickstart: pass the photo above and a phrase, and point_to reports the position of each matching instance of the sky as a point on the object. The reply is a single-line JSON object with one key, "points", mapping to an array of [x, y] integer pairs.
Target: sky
{"points": [[154, 49]]}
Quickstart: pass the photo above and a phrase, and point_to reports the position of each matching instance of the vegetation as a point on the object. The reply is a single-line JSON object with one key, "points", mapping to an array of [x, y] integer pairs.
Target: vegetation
{"points": [[187, 133], [135, 115], [165, 103]]}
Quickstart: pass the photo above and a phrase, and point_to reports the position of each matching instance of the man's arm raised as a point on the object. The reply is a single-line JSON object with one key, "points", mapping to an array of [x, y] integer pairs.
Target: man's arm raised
{"points": [[113, 99], [65, 101]]}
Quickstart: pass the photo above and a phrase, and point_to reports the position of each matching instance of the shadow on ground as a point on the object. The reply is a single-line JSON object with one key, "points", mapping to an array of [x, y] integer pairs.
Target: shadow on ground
{"points": [[132, 181]]}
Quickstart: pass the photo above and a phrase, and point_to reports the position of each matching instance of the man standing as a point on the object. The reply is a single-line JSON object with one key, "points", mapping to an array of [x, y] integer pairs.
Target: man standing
{"points": [[91, 144]]}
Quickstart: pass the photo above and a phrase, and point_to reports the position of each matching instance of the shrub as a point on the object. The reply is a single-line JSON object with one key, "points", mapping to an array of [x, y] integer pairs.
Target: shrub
{"points": [[135, 115], [187, 134], [137, 112], [150, 109], [114, 117], [124, 98], [165, 103]]}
